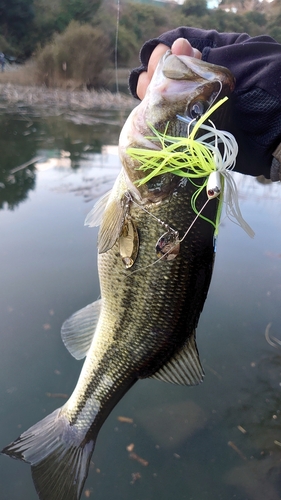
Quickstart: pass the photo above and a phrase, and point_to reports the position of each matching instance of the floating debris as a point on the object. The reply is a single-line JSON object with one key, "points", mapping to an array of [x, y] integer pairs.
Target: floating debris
{"points": [[214, 372], [135, 477], [241, 429], [235, 448], [126, 420], [130, 447], [56, 395], [136, 457]]}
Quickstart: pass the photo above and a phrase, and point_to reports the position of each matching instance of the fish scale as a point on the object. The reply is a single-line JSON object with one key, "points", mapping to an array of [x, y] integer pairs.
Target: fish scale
{"points": [[144, 324], [148, 278], [148, 341]]}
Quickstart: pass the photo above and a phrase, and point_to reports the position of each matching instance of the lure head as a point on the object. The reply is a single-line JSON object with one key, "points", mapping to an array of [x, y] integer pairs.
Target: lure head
{"points": [[213, 187], [181, 85]]}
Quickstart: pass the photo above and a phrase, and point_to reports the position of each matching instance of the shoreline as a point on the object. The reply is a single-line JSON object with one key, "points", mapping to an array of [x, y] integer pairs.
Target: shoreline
{"points": [[12, 95]]}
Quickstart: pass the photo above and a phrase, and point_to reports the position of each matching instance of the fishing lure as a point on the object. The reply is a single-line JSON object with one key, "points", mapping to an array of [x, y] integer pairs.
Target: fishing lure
{"points": [[212, 156]]}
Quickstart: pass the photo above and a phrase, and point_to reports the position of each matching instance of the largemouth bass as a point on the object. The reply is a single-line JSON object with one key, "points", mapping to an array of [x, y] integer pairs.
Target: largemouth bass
{"points": [[153, 284]]}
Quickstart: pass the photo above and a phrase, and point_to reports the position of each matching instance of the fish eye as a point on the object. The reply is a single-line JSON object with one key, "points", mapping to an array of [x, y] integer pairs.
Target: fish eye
{"points": [[197, 109]]}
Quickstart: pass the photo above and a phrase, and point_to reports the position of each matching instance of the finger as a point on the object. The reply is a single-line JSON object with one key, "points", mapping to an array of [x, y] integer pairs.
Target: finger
{"points": [[143, 82], [182, 47], [197, 54], [156, 55], [145, 77]]}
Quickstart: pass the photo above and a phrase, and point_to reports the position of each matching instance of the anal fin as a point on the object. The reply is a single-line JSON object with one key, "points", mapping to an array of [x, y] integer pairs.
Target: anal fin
{"points": [[184, 368]]}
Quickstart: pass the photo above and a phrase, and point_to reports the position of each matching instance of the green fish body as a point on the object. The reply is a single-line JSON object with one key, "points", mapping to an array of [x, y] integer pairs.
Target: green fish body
{"points": [[153, 286]]}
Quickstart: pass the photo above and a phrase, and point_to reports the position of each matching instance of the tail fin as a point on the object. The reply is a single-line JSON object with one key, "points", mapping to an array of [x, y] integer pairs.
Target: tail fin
{"points": [[58, 454]]}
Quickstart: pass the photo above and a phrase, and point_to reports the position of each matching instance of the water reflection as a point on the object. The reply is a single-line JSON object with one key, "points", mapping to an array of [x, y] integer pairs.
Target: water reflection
{"points": [[190, 439], [30, 141], [257, 437]]}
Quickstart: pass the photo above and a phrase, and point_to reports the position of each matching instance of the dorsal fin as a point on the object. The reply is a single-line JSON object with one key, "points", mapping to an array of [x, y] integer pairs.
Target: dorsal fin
{"points": [[77, 331], [184, 368]]}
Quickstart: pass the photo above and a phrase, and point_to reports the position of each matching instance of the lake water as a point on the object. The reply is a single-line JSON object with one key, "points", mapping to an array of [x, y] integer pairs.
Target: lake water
{"points": [[218, 441]]}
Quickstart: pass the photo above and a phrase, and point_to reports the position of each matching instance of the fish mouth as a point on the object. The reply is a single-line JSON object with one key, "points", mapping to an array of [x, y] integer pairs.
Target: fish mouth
{"points": [[181, 85], [198, 83], [190, 68]]}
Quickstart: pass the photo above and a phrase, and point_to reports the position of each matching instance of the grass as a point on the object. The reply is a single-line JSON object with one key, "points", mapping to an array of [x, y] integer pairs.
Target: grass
{"points": [[19, 85], [19, 74], [27, 75]]}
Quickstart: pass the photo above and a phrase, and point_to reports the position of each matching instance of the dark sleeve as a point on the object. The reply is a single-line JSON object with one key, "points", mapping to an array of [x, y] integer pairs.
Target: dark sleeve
{"points": [[255, 112], [199, 39]]}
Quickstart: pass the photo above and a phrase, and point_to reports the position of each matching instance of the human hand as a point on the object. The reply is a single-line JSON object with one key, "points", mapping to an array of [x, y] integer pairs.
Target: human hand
{"points": [[180, 47]]}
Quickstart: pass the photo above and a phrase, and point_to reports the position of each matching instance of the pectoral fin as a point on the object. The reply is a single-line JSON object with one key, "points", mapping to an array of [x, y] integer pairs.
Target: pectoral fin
{"points": [[109, 213], [94, 217], [77, 331], [112, 223], [184, 368]]}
